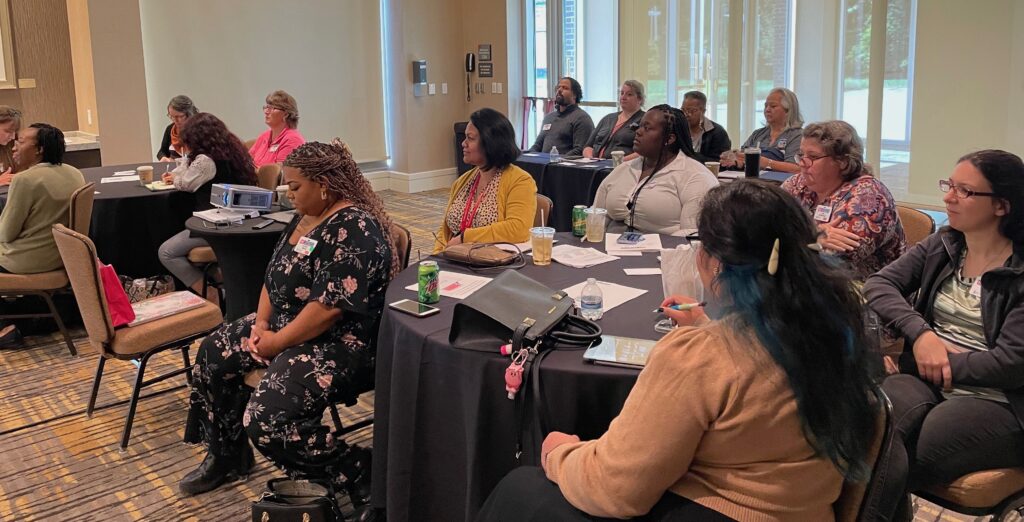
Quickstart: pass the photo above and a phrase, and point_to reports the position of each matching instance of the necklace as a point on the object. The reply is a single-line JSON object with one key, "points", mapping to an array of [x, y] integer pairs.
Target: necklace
{"points": [[989, 262]]}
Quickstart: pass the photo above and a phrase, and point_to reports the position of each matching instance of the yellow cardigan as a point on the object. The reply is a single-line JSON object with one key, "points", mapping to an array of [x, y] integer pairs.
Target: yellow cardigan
{"points": [[517, 204]]}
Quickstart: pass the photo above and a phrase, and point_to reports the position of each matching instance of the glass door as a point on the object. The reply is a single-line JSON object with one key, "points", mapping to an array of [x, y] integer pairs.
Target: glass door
{"points": [[702, 54]]}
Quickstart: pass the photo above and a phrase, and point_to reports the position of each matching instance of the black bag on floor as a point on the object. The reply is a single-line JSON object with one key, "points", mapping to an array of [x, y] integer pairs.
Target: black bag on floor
{"points": [[288, 500]]}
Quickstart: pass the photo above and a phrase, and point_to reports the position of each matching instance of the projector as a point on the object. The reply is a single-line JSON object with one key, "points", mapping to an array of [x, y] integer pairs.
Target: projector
{"points": [[226, 195]]}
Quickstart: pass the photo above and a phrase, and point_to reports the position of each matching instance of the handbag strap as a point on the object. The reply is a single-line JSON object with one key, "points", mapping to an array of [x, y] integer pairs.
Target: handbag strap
{"points": [[518, 262], [586, 333]]}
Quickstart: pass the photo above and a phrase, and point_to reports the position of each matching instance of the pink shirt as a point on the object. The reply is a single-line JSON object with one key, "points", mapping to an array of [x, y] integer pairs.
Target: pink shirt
{"points": [[264, 152]]}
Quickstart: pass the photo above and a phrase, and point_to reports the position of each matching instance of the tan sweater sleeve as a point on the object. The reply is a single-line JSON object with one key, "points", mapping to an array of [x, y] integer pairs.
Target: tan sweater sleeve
{"points": [[651, 444], [20, 199]]}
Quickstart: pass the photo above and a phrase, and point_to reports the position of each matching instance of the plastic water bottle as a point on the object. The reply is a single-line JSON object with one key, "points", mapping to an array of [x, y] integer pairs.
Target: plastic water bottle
{"points": [[591, 301], [554, 155]]}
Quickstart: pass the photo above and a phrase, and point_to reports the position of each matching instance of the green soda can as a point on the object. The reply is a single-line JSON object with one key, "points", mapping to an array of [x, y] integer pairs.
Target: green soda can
{"points": [[579, 221], [430, 282]]}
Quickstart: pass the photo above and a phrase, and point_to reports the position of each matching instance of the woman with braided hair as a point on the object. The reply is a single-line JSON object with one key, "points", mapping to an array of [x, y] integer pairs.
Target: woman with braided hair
{"points": [[660, 191], [313, 330]]}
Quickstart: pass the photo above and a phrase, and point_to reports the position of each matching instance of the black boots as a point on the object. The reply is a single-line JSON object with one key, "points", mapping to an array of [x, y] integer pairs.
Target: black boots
{"points": [[215, 471], [355, 465]]}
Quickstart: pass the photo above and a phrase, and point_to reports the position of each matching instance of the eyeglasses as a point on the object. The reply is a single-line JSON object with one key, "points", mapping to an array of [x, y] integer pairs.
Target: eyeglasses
{"points": [[271, 108], [180, 117], [801, 157], [692, 111], [945, 185]]}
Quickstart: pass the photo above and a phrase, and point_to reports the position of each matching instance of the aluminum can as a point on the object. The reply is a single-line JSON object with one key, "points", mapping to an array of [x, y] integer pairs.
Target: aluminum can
{"points": [[429, 282], [579, 221]]}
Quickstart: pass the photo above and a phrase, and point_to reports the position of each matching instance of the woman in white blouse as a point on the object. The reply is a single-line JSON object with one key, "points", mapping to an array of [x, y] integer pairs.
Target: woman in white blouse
{"points": [[659, 192], [213, 155]]}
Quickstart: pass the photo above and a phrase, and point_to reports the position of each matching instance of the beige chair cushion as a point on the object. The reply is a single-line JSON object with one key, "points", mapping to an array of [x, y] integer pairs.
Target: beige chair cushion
{"points": [[253, 378], [54, 280], [138, 339], [201, 256], [982, 489]]}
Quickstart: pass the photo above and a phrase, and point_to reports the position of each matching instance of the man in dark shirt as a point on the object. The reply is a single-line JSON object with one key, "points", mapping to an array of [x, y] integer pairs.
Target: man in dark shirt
{"points": [[567, 127], [709, 138]]}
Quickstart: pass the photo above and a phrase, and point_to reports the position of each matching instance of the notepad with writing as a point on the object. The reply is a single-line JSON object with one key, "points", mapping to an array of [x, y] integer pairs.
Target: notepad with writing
{"points": [[164, 306]]}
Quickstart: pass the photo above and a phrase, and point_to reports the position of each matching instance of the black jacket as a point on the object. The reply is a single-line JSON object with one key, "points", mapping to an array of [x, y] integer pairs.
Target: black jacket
{"points": [[713, 144], [165, 146], [923, 269]]}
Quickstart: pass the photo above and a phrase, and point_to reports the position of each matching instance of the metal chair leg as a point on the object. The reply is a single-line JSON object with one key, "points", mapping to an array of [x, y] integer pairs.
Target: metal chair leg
{"points": [[336, 418], [60, 323], [134, 401], [184, 356], [95, 386]]}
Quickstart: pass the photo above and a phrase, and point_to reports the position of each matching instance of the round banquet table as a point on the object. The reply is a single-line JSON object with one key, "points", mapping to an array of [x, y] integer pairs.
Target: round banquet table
{"points": [[129, 222], [444, 430], [242, 255]]}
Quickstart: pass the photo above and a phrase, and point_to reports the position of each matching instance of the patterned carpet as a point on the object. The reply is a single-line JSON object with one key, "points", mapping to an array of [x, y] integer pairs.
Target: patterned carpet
{"points": [[57, 464]]}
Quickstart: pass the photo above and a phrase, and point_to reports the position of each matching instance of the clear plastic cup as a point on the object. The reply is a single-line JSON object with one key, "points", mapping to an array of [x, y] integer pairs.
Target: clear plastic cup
{"points": [[541, 241], [595, 224]]}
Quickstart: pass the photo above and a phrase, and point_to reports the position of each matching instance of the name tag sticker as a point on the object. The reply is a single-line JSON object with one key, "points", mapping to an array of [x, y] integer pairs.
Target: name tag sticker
{"points": [[547, 126], [976, 288], [782, 143], [823, 213], [305, 246], [273, 148]]}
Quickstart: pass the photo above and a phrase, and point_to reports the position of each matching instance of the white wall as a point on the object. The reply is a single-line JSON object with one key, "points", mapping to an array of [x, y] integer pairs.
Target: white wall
{"points": [[227, 56], [967, 87]]}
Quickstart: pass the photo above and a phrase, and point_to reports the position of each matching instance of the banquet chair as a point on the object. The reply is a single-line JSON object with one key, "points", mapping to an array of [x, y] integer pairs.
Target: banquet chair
{"points": [[544, 207], [130, 343], [916, 224], [206, 260], [403, 242], [47, 284], [996, 492], [269, 176], [856, 499]]}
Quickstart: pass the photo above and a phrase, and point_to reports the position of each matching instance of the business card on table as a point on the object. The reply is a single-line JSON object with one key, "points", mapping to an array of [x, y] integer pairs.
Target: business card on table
{"points": [[642, 271]]}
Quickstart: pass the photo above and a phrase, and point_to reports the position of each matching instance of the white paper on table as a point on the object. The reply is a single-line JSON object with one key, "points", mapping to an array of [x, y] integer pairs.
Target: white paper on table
{"points": [[612, 294], [586, 160], [649, 243], [625, 253], [642, 271], [125, 173], [120, 179], [530, 154], [731, 174], [456, 285], [566, 163], [579, 257]]}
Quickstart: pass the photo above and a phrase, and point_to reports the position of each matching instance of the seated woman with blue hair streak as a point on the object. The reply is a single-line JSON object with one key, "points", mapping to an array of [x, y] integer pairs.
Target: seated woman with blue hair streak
{"points": [[728, 409]]}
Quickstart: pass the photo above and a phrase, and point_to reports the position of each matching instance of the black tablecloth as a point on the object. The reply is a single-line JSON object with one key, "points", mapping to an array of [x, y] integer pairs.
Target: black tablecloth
{"points": [[242, 254], [129, 223], [444, 431], [566, 185]]}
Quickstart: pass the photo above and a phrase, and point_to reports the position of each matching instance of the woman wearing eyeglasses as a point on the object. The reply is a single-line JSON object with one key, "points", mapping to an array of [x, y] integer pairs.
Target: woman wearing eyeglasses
{"points": [[855, 212], [179, 109], [281, 114], [958, 402]]}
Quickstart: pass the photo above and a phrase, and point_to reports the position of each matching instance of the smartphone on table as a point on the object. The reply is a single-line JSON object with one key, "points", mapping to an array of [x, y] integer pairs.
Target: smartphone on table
{"points": [[630, 238], [414, 308]]}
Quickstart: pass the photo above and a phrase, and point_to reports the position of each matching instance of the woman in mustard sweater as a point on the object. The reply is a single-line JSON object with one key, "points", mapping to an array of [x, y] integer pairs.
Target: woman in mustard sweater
{"points": [[495, 201], [756, 415]]}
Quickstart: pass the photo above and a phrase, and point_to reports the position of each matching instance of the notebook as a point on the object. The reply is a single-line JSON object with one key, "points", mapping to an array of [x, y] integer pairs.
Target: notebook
{"points": [[164, 306], [625, 352]]}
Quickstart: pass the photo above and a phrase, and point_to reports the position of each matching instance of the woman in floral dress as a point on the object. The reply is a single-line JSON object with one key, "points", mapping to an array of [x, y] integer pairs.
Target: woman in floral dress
{"points": [[314, 331]]}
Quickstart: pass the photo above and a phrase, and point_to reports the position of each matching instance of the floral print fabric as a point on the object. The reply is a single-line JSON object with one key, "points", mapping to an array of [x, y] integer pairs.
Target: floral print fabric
{"points": [[347, 269], [865, 207]]}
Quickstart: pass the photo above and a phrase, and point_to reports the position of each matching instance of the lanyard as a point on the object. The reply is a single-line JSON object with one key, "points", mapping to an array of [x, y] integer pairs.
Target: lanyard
{"points": [[600, 153], [469, 212]]}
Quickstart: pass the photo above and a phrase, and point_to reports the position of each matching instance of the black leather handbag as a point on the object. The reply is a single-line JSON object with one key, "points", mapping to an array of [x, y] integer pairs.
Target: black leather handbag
{"points": [[288, 500], [515, 309]]}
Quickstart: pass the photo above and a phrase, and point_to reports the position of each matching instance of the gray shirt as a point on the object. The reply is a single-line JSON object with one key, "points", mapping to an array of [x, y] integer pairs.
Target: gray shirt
{"points": [[786, 145], [568, 130]]}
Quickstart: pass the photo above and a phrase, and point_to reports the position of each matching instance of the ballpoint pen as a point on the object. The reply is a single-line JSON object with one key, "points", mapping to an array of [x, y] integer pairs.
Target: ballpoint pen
{"points": [[681, 307]]}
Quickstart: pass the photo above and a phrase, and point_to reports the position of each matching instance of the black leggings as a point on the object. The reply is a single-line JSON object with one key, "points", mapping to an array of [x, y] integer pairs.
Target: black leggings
{"points": [[938, 440], [526, 494]]}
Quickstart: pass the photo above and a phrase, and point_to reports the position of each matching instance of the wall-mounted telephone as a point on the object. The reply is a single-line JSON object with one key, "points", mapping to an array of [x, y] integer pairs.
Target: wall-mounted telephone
{"points": [[470, 67]]}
